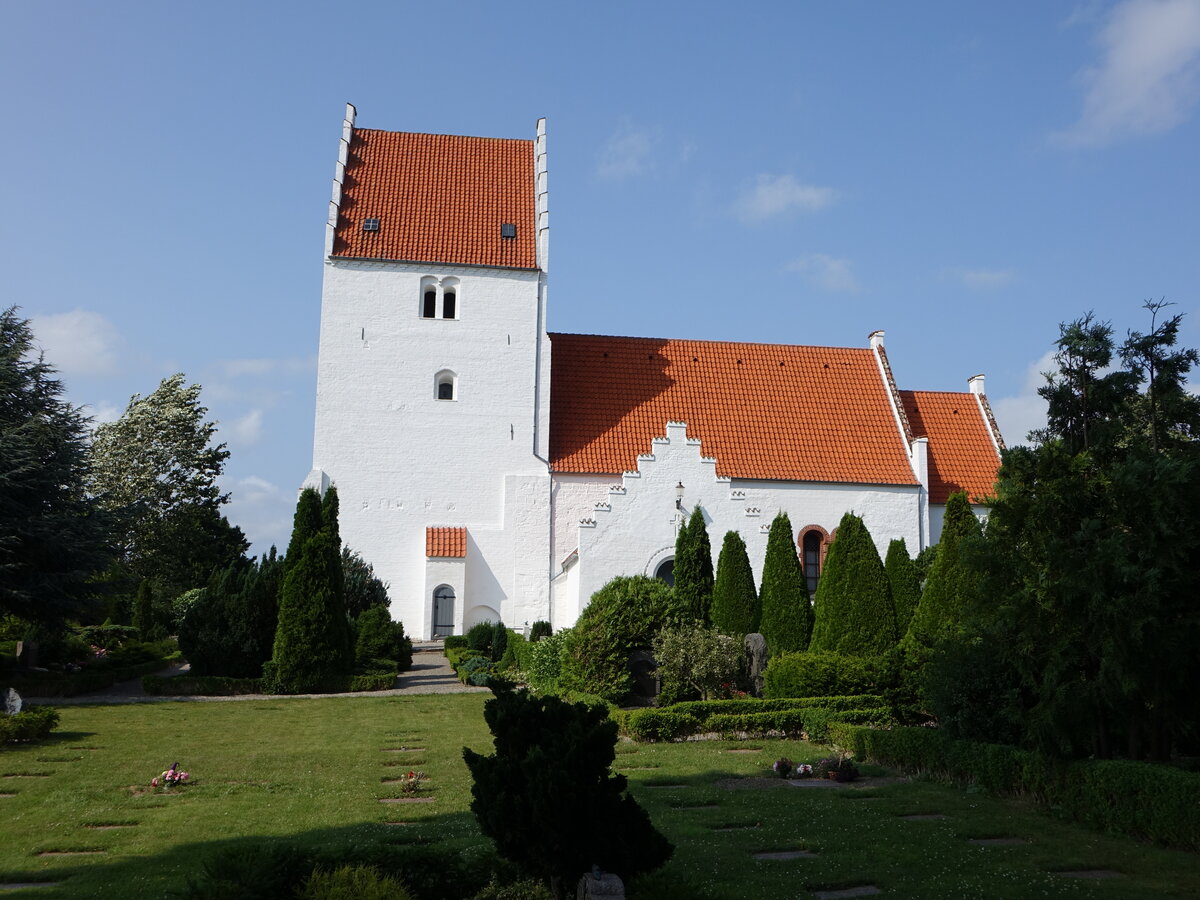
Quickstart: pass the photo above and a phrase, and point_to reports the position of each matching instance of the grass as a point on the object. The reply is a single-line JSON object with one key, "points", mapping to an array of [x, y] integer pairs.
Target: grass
{"points": [[313, 772]]}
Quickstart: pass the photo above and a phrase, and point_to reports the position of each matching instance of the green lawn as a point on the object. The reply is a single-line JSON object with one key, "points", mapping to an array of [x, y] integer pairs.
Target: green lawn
{"points": [[313, 771]]}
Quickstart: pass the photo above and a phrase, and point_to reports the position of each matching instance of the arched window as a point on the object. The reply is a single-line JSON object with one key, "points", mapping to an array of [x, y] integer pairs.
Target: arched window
{"points": [[443, 611], [448, 303], [666, 571], [439, 298], [445, 385], [813, 542], [429, 304]]}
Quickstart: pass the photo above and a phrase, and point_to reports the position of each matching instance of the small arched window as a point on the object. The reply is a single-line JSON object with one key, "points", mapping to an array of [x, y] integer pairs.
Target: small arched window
{"points": [[813, 542], [448, 298], [666, 571], [429, 304], [445, 385]]}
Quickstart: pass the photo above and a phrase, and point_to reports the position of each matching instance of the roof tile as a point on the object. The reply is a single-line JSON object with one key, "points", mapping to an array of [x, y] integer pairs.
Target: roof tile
{"points": [[961, 454], [446, 542]]}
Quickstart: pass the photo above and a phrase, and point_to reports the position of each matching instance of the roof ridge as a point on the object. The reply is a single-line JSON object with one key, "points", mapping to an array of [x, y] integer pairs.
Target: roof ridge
{"points": [[633, 337], [469, 137]]}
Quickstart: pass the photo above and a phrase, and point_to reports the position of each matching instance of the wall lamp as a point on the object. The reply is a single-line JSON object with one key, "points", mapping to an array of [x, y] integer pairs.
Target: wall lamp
{"points": [[679, 495]]}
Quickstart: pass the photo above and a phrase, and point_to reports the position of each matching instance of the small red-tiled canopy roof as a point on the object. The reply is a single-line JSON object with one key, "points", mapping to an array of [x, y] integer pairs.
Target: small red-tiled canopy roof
{"points": [[439, 198], [763, 410], [962, 456], [446, 542]]}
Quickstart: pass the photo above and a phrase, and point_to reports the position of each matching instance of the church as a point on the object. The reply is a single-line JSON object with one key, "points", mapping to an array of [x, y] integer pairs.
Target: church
{"points": [[491, 469]]}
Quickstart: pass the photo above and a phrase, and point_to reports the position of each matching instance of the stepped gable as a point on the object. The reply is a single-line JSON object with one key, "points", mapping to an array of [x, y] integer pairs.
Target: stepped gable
{"points": [[439, 199], [962, 456], [764, 411]]}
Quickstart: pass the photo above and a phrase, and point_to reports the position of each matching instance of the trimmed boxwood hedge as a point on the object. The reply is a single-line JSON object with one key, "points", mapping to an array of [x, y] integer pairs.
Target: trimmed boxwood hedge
{"points": [[1152, 802], [71, 684], [753, 717], [221, 686], [29, 725]]}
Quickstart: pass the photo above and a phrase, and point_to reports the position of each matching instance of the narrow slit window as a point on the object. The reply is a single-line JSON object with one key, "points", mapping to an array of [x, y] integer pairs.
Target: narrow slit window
{"points": [[448, 308], [429, 305], [812, 560]]}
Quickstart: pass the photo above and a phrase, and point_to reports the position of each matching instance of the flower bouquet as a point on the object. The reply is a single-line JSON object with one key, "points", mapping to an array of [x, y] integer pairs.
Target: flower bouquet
{"points": [[804, 770], [782, 767], [173, 777], [411, 783]]}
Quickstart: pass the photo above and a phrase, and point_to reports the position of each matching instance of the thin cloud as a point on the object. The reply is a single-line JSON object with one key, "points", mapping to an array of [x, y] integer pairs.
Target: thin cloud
{"points": [[826, 272], [80, 342], [772, 196], [627, 153], [262, 510], [1148, 80], [1025, 411], [248, 429]]}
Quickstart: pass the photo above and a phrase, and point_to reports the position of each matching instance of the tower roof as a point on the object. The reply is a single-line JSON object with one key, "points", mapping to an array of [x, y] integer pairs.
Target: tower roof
{"points": [[438, 198]]}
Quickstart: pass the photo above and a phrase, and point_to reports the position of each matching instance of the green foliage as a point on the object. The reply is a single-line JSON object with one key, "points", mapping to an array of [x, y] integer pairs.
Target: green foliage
{"points": [[353, 882], [623, 617], [666, 724], [200, 685], [853, 607], [953, 584], [546, 796], [479, 636], [250, 870], [810, 716], [363, 589], [306, 522], [54, 537], [692, 658], [924, 562], [735, 607], [516, 652], [32, 724], [544, 667], [818, 673], [540, 629], [157, 472], [787, 614], [312, 649], [905, 581], [523, 889], [693, 567], [151, 617], [451, 641], [1146, 801], [499, 641], [380, 637]]}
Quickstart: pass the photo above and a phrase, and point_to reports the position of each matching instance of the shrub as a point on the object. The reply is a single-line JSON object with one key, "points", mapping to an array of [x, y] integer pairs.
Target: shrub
{"points": [[475, 670], [694, 658], [853, 608], [363, 589], [453, 641], [379, 636], [479, 636], [787, 616], [660, 724], [735, 608], [544, 667], [694, 567], [499, 641], [905, 581], [524, 889], [546, 796], [250, 869], [623, 617], [200, 685], [516, 653], [28, 725], [819, 673], [951, 583], [353, 883], [541, 628]]}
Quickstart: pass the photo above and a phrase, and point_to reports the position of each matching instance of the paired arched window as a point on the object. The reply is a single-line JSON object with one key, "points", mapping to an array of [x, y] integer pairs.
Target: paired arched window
{"points": [[439, 298], [445, 385], [814, 540]]}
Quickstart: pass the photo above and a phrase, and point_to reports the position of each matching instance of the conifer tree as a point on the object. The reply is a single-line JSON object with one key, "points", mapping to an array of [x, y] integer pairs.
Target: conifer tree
{"points": [[853, 606], [951, 583], [693, 567], [145, 619], [735, 609], [905, 583], [306, 522], [787, 615]]}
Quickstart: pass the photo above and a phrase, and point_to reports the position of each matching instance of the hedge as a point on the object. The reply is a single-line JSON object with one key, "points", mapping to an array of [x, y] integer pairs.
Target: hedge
{"points": [[453, 642], [30, 725], [1152, 802], [753, 717], [221, 686], [70, 684]]}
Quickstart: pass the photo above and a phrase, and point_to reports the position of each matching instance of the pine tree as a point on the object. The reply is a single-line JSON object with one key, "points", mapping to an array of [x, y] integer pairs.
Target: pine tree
{"points": [[905, 582], [787, 615], [693, 566], [951, 583], [735, 607], [853, 607], [306, 522]]}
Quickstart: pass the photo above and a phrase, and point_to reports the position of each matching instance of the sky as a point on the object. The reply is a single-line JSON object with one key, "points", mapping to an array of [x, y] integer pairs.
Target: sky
{"points": [[963, 176]]}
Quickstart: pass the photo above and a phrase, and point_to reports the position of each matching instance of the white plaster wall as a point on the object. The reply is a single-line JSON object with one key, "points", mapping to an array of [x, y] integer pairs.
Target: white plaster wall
{"points": [[937, 516], [403, 460], [630, 530]]}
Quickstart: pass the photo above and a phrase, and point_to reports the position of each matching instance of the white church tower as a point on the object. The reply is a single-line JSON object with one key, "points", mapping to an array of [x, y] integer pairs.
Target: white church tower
{"points": [[433, 381]]}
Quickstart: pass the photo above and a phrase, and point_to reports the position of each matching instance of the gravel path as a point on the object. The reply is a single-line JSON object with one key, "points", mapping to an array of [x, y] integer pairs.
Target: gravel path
{"points": [[430, 674]]}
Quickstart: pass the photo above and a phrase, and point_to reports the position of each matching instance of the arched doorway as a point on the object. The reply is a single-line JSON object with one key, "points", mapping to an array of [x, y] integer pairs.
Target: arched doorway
{"points": [[443, 611]]}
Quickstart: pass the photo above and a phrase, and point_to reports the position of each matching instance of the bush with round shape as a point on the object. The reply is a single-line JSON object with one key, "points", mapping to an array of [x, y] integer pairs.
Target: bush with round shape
{"points": [[820, 674], [479, 636], [623, 617], [540, 629]]}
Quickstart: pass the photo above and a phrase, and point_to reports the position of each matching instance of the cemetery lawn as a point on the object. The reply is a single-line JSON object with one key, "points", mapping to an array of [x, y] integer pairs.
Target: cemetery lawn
{"points": [[313, 772]]}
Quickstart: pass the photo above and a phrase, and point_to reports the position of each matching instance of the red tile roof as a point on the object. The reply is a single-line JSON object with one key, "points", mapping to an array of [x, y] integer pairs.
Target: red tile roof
{"points": [[961, 454], [439, 198], [765, 411], [446, 542]]}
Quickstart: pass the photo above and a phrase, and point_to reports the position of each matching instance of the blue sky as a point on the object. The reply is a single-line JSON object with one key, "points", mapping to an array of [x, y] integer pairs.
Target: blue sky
{"points": [[963, 176]]}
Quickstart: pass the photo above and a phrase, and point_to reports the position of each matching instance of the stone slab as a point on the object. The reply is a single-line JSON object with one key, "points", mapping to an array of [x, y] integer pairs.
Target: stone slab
{"points": [[735, 827], [999, 841], [784, 854], [924, 817], [406, 800], [1089, 874], [23, 885], [866, 890]]}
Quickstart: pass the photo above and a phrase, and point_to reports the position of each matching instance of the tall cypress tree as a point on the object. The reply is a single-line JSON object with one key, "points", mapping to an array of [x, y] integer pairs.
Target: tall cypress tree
{"points": [[693, 567], [787, 615], [853, 606], [306, 522], [905, 582], [735, 608], [951, 583]]}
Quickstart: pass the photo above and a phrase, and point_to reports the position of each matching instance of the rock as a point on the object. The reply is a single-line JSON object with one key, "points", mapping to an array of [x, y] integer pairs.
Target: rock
{"points": [[12, 702], [756, 653], [597, 884]]}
